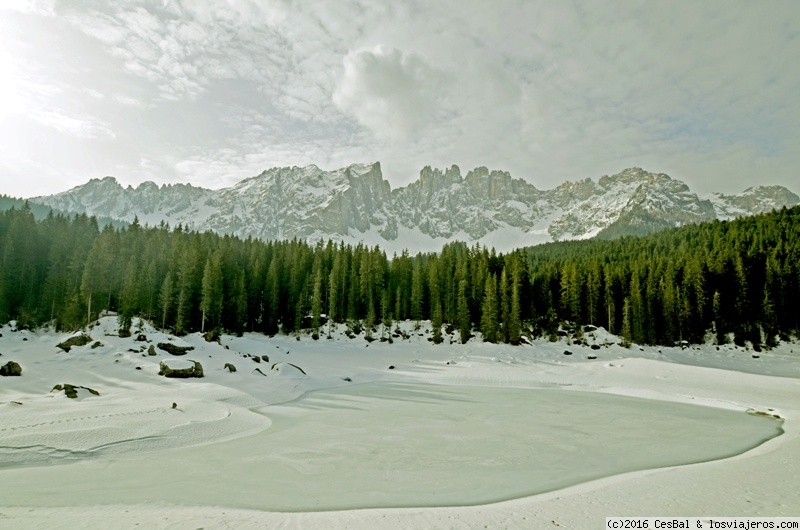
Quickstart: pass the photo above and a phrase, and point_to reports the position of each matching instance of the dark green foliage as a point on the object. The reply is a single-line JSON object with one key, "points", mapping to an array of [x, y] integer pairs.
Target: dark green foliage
{"points": [[738, 279]]}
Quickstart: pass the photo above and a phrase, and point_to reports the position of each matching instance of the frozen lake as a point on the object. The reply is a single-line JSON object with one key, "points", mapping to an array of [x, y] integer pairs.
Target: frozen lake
{"points": [[393, 445]]}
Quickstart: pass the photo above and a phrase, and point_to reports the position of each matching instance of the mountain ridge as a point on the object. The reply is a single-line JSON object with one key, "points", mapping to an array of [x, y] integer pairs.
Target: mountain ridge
{"points": [[356, 203]]}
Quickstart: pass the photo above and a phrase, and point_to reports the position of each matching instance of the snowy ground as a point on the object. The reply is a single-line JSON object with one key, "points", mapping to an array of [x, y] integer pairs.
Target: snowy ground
{"points": [[402, 435]]}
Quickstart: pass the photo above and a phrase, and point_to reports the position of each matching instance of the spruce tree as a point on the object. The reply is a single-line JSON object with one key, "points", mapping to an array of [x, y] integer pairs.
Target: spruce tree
{"points": [[626, 324], [515, 311], [211, 299], [505, 306], [128, 299], [272, 303], [333, 296], [436, 322], [165, 299], [489, 323], [464, 325], [316, 302], [416, 291], [239, 297]]}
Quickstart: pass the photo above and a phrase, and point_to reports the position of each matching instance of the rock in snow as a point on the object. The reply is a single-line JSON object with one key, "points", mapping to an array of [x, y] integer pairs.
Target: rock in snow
{"points": [[180, 368], [11, 369]]}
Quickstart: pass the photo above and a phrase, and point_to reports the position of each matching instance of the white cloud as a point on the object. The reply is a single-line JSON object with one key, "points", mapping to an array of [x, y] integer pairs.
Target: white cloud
{"points": [[129, 101], [548, 90], [80, 127], [38, 7], [392, 93]]}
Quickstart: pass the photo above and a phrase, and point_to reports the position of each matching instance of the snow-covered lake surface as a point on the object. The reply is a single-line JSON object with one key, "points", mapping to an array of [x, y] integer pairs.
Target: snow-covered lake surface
{"points": [[403, 435], [380, 445]]}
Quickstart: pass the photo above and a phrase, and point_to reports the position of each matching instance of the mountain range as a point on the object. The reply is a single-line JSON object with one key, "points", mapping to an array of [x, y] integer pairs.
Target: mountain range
{"points": [[355, 204]]}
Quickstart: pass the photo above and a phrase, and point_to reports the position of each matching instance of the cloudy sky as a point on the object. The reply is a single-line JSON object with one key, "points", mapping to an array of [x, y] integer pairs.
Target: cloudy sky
{"points": [[213, 91]]}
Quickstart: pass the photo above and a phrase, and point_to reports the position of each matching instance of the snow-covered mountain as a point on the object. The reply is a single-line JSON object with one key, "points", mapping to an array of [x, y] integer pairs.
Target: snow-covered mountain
{"points": [[356, 204]]}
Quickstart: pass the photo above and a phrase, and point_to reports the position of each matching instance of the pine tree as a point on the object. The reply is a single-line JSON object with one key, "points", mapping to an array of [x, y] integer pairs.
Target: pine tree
{"points": [[626, 324], [416, 291], [436, 322], [386, 318], [464, 325], [272, 305], [719, 325], [636, 317], [239, 297], [333, 297], [489, 323], [611, 306], [505, 306], [769, 320], [514, 323], [211, 300], [593, 284], [128, 299], [670, 308], [316, 302], [165, 299], [96, 271], [185, 289], [369, 323]]}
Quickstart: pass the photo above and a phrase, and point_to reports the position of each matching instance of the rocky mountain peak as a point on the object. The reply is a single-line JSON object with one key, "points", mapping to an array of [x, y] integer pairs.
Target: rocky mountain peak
{"points": [[355, 203]]}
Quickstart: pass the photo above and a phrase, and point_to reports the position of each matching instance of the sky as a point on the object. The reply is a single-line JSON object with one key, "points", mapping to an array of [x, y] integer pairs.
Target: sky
{"points": [[214, 91]]}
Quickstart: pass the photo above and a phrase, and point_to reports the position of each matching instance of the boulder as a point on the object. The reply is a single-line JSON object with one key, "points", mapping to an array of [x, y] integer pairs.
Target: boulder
{"points": [[11, 369], [174, 349], [79, 340], [141, 337], [97, 344], [181, 369]]}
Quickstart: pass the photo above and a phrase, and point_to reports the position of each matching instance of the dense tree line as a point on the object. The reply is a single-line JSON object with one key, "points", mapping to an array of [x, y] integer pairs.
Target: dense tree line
{"points": [[738, 277]]}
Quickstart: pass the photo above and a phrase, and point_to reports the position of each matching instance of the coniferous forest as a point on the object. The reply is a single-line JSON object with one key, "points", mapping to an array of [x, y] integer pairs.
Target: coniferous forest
{"points": [[737, 280]]}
